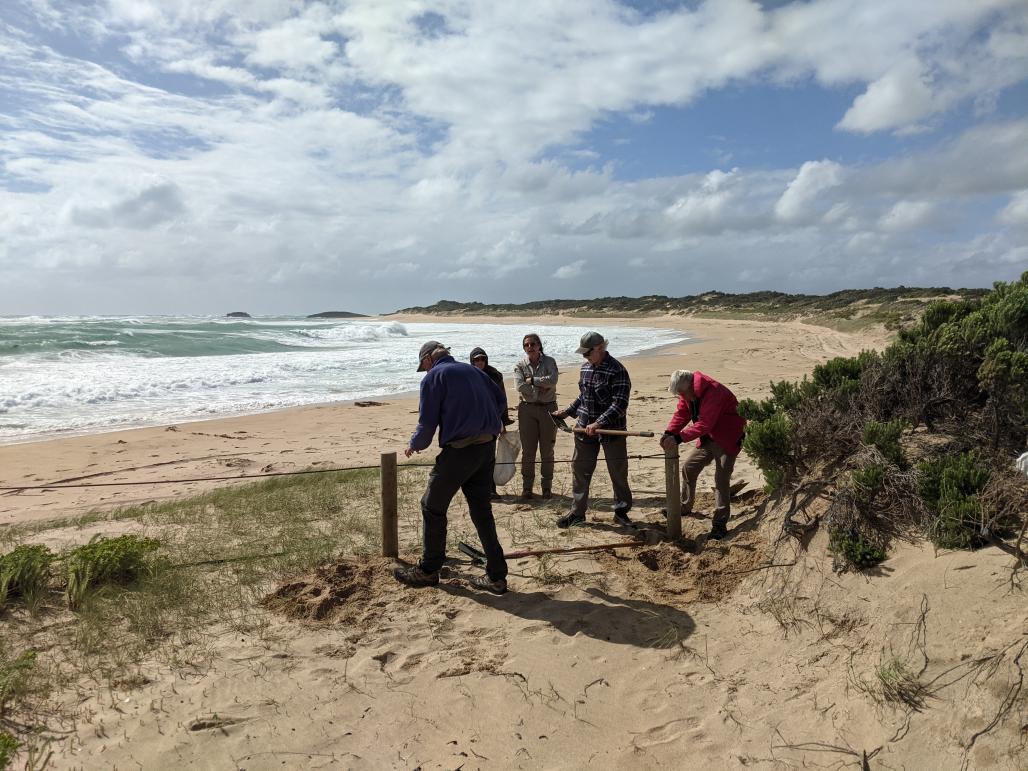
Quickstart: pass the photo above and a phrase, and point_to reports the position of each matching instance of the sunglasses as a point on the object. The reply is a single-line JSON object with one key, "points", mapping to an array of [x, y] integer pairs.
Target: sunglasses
{"points": [[531, 344], [588, 353]]}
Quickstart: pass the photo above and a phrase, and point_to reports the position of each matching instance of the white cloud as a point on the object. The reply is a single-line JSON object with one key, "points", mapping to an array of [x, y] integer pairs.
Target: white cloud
{"points": [[1016, 211], [907, 215], [295, 43], [804, 193], [900, 98], [571, 270], [706, 205]]}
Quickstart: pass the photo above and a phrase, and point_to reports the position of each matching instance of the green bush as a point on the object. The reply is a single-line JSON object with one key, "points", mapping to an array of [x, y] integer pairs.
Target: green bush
{"points": [[855, 549], [123, 560], [867, 484], [950, 487], [840, 374], [788, 396], [756, 412], [769, 443], [8, 747], [24, 573], [885, 437]]}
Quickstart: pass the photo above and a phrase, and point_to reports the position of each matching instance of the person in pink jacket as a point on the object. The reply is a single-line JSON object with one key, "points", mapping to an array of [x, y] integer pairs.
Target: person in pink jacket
{"points": [[718, 430]]}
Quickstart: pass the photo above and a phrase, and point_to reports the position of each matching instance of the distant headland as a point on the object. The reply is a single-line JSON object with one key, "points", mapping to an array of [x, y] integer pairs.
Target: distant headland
{"points": [[337, 315], [238, 315], [847, 309]]}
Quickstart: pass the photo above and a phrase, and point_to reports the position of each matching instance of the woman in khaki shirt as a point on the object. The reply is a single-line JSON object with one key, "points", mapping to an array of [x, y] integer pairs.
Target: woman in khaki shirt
{"points": [[535, 378]]}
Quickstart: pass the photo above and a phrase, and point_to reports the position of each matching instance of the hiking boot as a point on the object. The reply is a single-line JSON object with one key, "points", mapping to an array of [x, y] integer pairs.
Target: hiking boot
{"points": [[622, 518], [526, 495], [547, 493], [414, 576], [487, 584], [718, 532], [570, 519]]}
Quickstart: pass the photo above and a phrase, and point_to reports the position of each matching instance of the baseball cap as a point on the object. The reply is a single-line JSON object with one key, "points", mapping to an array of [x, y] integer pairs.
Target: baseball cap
{"points": [[427, 350], [589, 341], [478, 353]]}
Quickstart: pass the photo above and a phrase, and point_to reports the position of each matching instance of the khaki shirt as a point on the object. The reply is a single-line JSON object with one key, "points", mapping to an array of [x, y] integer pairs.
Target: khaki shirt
{"points": [[543, 386]]}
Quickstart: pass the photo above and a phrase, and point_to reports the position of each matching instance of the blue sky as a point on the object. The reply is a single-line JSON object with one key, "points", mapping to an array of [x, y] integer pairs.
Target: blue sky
{"points": [[280, 156]]}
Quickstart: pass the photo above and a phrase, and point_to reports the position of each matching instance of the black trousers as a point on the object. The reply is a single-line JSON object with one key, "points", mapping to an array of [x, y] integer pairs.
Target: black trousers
{"points": [[470, 470]]}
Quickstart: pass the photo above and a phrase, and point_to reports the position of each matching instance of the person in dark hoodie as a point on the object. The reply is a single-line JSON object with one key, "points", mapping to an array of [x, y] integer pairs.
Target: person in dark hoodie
{"points": [[481, 360]]}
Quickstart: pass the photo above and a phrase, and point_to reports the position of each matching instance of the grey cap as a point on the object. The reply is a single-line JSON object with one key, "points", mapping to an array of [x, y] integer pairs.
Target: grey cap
{"points": [[589, 341], [427, 350]]}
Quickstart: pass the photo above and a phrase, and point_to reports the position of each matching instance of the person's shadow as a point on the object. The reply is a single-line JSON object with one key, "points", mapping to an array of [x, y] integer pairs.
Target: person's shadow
{"points": [[614, 619]]}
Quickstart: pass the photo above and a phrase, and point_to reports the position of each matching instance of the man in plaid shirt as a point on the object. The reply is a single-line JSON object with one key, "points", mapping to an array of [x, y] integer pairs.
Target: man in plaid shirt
{"points": [[604, 388]]}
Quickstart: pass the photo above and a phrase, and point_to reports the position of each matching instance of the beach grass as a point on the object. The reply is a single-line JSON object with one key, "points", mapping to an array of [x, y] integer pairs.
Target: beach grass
{"points": [[215, 557]]}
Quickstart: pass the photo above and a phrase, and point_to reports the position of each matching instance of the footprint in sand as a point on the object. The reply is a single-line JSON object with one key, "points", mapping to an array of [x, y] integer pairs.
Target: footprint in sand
{"points": [[666, 733]]}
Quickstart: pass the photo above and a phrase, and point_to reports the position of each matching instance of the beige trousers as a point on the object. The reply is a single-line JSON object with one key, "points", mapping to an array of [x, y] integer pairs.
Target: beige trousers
{"points": [[537, 430], [696, 459]]}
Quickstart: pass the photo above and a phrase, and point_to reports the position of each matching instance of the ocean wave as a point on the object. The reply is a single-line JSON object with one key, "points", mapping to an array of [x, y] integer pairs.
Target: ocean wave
{"points": [[160, 375]]}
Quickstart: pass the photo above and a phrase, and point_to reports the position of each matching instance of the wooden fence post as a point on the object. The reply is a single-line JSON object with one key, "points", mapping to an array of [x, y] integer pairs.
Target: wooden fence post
{"points": [[390, 535], [673, 483]]}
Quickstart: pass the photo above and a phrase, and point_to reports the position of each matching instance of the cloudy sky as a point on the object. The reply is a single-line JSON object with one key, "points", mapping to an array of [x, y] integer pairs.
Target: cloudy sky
{"points": [[279, 156]]}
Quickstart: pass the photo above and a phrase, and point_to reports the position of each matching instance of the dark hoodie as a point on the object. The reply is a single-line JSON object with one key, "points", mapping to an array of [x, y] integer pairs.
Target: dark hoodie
{"points": [[493, 373]]}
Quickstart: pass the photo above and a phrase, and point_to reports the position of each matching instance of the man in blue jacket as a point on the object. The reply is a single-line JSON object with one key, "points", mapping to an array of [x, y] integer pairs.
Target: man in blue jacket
{"points": [[465, 405]]}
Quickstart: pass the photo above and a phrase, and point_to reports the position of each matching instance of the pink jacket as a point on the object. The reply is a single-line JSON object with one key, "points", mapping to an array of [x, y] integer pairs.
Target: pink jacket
{"points": [[716, 415]]}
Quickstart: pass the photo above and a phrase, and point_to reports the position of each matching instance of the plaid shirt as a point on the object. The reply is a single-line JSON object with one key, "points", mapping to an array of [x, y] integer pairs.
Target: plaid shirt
{"points": [[603, 394]]}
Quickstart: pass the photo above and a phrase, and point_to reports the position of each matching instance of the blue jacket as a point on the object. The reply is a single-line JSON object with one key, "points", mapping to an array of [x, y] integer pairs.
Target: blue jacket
{"points": [[460, 400]]}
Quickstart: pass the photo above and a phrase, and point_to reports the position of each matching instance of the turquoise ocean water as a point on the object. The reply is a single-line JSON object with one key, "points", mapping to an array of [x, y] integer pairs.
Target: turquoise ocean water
{"points": [[61, 375]]}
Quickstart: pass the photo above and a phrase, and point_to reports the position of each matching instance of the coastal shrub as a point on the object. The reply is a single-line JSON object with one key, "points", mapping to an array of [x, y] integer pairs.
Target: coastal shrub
{"points": [[24, 573], [105, 561], [884, 436], [789, 396], [935, 315], [8, 747], [839, 375], [786, 396], [769, 443], [754, 411], [867, 482], [15, 678], [950, 487], [1003, 375], [855, 549]]}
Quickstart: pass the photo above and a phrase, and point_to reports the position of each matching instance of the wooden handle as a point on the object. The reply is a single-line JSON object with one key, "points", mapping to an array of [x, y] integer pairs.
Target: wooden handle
{"points": [[614, 432]]}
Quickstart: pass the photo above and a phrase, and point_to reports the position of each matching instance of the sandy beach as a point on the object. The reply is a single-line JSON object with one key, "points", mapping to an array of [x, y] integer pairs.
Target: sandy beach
{"points": [[752, 653]]}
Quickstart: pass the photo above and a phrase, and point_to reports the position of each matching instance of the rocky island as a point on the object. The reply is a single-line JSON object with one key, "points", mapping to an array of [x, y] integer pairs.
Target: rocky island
{"points": [[336, 315]]}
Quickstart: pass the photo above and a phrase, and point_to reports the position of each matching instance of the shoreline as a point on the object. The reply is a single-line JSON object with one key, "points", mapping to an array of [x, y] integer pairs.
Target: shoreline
{"points": [[745, 355]]}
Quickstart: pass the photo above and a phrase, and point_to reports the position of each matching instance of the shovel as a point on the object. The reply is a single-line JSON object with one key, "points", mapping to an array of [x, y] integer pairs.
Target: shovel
{"points": [[478, 556], [559, 423]]}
